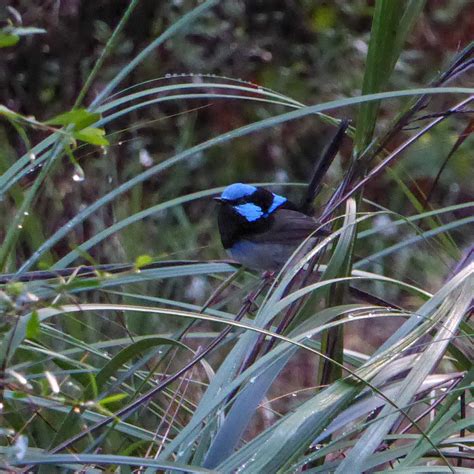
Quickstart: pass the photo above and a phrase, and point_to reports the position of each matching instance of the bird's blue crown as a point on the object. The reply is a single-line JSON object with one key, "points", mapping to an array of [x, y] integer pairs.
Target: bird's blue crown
{"points": [[237, 191], [253, 206]]}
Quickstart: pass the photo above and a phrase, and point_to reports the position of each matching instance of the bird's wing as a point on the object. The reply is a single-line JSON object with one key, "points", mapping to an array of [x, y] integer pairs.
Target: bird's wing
{"points": [[288, 227]]}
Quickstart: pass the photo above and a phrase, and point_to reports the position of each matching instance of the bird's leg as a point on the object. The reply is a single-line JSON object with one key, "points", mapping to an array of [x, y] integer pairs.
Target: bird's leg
{"points": [[268, 275], [249, 300]]}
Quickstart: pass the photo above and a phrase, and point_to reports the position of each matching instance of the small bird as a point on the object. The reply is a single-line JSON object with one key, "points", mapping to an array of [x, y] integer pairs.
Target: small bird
{"points": [[261, 229]]}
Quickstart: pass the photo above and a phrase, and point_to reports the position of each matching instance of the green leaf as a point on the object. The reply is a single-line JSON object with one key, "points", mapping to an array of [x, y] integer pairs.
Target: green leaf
{"points": [[338, 266], [84, 379], [178, 26], [10, 36], [83, 462], [447, 318], [70, 424], [441, 427], [80, 118], [324, 18], [392, 21], [94, 136], [128, 353], [142, 261], [27, 31], [79, 283], [16, 395], [112, 399], [96, 384], [54, 406], [33, 328], [6, 179], [5, 110], [7, 39]]}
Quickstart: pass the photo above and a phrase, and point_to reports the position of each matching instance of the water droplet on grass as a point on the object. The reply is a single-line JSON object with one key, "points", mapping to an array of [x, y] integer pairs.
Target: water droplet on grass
{"points": [[78, 175], [145, 158]]}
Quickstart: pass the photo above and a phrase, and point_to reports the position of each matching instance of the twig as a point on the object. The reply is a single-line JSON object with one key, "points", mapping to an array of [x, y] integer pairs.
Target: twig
{"points": [[389, 159], [128, 410]]}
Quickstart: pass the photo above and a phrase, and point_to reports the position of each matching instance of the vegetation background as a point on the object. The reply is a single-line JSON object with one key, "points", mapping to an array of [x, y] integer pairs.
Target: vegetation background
{"points": [[311, 51]]}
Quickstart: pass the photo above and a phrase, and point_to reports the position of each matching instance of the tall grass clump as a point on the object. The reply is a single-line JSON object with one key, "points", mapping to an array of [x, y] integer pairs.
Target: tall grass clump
{"points": [[176, 360]]}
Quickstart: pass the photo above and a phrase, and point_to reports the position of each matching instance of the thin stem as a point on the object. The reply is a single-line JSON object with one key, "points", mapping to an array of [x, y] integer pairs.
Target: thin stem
{"points": [[108, 48], [126, 411], [390, 158]]}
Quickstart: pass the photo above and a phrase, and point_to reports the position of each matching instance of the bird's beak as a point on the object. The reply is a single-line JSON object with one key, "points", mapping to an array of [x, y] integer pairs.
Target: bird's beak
{"points": [[218, 199]]}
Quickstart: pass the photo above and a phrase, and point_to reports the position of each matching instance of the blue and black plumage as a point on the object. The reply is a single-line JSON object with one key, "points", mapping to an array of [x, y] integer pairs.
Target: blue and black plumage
{"points": [[261, 229]]}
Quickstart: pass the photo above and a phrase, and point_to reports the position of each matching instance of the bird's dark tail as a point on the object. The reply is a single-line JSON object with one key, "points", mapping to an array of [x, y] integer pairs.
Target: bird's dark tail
{"points": [[321, 167]]}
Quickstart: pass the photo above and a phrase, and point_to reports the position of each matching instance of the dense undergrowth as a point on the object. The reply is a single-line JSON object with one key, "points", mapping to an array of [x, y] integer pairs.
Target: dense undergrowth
{"points": [[128, 344]]}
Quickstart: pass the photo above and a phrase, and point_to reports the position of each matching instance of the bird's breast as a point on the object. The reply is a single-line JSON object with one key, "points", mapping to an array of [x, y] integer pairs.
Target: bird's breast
{"points": [[264, 256], [233, 226]]}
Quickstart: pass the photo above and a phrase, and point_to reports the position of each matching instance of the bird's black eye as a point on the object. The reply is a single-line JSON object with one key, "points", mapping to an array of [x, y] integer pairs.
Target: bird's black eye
{"points": [[263, 198], [237, 202]]}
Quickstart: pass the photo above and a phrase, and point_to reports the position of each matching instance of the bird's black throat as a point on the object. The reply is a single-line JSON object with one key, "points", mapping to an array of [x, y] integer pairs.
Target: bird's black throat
{"points": [[234, 227]]}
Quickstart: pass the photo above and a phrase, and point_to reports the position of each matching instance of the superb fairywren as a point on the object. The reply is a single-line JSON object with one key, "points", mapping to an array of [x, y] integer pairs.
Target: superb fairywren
{"points": [[261, 229]]}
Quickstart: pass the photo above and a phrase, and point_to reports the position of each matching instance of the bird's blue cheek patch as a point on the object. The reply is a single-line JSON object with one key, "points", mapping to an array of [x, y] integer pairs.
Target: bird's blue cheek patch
{"points": [[250, 211], [277, 202]]}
